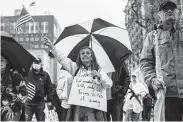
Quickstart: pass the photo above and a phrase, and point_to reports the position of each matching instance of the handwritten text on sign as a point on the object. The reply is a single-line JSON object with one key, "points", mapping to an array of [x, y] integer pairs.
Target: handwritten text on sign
{"points": [[88, 92]]}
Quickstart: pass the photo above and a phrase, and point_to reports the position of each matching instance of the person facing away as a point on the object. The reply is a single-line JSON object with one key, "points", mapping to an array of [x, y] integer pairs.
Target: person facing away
{"points": [[133, 105], [121, 81], [162, 60], [57, 104], [41, 81], [11, 92], [86, 63], [63, 93]]}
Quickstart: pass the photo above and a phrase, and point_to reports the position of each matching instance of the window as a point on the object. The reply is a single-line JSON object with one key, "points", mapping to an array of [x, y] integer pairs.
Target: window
{"points": [[27, 27], [12, 27], [31, 27], [32, 39], [27, 39], [42, 38], [2, 26], [42, 46], [21, 39], [36, 38], [16, 38], [44, 27], [36, 26], [36, 46], [178, 2]]}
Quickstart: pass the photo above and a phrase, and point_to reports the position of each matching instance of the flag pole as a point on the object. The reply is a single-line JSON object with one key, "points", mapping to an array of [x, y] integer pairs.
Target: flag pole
{"points": [[181, 2], [32, 19]]}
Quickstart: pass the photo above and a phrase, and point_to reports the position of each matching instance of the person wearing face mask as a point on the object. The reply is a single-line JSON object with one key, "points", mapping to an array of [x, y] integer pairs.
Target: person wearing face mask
{"points": [[43, 87], [162, 62], [85, 64]]}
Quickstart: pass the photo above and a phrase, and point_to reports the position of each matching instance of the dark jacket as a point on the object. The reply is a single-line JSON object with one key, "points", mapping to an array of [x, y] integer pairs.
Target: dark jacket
{"points": [[10, 81], [43, 85], [121, 81], [56, 101]]}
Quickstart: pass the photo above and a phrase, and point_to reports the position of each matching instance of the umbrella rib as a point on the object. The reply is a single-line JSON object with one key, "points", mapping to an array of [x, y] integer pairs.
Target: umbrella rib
{"points": [[102, 30], [80, 37], [96, 42]]}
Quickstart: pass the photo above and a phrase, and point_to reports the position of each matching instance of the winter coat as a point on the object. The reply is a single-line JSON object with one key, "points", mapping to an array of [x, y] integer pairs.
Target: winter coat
{"points": [[56, 101], [170, 68], [121, 81], [43, 85], [62, 88], [72, 67], [10, 81], [131, 101]]}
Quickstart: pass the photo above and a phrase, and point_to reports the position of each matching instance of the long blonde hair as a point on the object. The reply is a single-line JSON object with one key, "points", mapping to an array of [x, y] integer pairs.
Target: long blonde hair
{"points": [[94, 64]]}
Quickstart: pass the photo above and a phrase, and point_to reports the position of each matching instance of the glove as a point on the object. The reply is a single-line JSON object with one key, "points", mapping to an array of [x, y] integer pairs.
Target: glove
{"points": [[156, 84], [49, 105]]}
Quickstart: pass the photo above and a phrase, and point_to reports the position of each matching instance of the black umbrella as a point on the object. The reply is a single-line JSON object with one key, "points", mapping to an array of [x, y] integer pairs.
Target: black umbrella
{"points": [[19, 58], [109, 42]]}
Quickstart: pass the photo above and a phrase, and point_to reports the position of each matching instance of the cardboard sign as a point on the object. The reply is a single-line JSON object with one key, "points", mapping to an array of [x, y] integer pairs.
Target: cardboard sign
{"points": [[88, 92]]}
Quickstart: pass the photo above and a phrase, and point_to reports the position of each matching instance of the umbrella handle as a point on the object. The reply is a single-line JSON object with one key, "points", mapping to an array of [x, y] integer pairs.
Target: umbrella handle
{"points": [[90, 39]]}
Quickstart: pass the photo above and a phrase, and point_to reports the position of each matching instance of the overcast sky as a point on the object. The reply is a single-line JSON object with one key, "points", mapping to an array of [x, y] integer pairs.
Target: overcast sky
{"points": [[69, 12]]}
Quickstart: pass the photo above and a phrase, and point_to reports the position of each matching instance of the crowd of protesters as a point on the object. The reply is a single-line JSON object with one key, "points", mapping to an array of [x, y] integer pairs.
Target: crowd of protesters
{"points": [[127, 98]]}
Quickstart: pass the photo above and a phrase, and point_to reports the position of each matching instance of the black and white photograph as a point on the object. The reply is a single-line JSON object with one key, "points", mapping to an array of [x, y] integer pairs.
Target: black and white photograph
{"points": [[91, 60]]}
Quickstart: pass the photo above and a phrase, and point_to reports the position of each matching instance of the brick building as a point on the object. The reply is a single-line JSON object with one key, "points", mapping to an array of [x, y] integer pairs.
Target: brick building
{"points": [[32, 39]]}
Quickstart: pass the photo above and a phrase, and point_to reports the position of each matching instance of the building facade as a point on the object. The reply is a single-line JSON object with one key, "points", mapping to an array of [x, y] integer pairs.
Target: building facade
{"points": [[32, 37]]}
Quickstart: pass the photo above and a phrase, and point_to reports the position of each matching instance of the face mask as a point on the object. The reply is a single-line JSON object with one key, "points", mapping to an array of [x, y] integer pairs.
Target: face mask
{"points": [[36, 66]]}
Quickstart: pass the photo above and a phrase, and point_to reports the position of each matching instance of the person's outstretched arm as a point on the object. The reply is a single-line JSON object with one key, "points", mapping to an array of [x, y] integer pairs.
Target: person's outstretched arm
{"points": [[67, 63]]}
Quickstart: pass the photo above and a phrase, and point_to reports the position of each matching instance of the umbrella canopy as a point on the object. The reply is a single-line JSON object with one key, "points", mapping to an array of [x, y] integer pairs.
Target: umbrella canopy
{"points": [[110, 43], [19, 58]]}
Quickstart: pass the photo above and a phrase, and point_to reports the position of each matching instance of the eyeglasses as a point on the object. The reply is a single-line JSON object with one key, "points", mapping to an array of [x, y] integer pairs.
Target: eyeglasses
{"points": [[36, 62]]}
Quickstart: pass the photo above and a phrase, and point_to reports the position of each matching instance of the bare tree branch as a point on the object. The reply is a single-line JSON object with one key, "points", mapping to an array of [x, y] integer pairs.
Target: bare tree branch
{"points": [[140, 24], [138, 18]]}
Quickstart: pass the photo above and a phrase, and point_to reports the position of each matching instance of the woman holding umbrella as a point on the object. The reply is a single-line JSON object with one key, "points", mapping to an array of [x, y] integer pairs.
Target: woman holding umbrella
{"points": [[85, 63]]}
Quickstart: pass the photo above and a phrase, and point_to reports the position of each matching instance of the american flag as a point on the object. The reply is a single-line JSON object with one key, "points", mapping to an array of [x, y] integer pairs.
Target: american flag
{"points": [[32, 4], [31, 89], [24, 17]]}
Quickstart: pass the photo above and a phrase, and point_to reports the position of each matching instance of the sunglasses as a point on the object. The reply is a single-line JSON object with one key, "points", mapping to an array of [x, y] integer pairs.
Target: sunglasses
{"points": [[37, 62]]}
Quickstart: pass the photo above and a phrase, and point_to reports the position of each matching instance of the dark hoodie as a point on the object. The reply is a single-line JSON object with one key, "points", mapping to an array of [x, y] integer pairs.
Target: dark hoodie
{"points": [[43, 85], [10, 80]]}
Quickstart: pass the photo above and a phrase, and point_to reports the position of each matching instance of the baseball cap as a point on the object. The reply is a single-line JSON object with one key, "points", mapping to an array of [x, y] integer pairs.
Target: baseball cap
{"points": [[37, 61], [167, 3]]}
